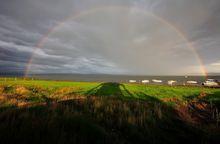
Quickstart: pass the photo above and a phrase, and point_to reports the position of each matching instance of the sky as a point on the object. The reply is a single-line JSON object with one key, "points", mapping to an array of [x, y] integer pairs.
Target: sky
{"points": [[140, 37]]}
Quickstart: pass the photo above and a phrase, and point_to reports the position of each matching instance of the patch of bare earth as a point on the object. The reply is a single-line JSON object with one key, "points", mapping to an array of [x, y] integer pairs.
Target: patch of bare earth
{"points": [[176, 100], [20, 90], [199, 112]]}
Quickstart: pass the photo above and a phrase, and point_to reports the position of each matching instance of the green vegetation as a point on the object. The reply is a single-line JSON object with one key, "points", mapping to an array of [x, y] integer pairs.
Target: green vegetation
{"points": [[39, 111]]}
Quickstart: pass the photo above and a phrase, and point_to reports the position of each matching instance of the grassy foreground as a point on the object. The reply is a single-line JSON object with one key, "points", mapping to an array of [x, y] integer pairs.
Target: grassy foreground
{"points": [[37, 111]]}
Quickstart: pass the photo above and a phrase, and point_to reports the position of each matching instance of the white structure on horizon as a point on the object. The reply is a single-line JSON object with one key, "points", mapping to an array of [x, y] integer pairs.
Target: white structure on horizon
{"points": [[157, 81], [171, 82], [211, 83], [145, 81], [191, 82], [132, 81]]}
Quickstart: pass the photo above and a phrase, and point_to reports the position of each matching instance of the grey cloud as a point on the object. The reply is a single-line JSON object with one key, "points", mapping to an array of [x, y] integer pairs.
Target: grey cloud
{"points": [[11, 31], [109, 42], [100, 37]]}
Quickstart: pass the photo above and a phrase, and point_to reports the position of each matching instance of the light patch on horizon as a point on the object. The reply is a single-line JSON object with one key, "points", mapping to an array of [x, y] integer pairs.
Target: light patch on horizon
{"points": [[216, 64]]}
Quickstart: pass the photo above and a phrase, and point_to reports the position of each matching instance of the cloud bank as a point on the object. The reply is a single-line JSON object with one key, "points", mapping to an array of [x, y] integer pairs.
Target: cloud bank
{"points": [[111, 41]]}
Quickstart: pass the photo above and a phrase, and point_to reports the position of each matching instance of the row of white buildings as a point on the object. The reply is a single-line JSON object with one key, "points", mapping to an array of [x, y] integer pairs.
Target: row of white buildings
{"points": [[169, 82]]}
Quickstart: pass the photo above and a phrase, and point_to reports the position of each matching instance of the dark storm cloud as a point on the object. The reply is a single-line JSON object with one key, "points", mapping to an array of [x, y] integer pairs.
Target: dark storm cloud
{"points": [[23, 23], [11, 31]]}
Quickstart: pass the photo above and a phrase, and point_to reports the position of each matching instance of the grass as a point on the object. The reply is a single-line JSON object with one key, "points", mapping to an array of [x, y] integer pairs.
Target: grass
{"points": [[107, 89], [40, 111]]}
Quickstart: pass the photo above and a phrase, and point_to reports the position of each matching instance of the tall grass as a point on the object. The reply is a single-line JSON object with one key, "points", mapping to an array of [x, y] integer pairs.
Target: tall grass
{"points": [[72, 112]]}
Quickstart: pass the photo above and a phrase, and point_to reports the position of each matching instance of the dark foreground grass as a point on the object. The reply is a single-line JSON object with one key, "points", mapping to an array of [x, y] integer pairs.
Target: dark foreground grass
{"points": [[73, 112]]}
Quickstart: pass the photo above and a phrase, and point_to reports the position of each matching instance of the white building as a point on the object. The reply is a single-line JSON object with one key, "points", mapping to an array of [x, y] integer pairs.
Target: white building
{"points": [[171, 82], [145, 81], [132, 81], [157, 81], [191, 82]]}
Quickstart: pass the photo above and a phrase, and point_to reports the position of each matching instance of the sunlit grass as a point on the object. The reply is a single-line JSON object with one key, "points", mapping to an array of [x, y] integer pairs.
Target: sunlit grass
{"points": [[84, 112], [138, 91]]}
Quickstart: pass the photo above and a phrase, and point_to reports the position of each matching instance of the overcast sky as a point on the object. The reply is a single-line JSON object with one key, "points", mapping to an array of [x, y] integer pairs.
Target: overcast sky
{"points": [[110, 36]]}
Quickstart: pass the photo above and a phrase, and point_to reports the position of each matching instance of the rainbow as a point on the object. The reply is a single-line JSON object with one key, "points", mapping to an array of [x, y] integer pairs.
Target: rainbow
{"points": [[84, 13]]}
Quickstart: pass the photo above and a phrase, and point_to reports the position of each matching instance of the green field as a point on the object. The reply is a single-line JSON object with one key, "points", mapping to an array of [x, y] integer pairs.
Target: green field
{"points": [[40, 111]]}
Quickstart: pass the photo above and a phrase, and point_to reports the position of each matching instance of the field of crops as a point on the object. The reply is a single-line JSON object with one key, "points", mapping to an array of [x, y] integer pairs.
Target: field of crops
{"points": [[39, 111]]}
